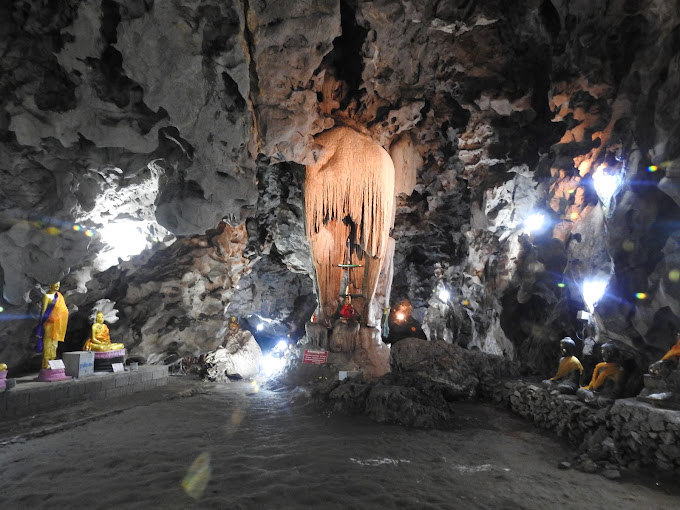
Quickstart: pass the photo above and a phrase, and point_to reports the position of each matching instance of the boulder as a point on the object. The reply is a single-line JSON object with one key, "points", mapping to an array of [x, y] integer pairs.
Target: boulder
{"points": [[239, 358]]}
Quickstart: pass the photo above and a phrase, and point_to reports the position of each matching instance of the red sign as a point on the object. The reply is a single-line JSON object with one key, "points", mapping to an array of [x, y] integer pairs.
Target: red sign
{"points": [[315, 357]]}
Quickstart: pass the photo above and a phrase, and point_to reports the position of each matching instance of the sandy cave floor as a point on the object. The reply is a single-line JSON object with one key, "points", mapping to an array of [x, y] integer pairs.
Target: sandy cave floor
{"points": [[265, 452]]}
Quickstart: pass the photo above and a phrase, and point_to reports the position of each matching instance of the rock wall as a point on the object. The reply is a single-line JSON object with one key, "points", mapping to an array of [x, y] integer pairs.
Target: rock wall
{"points": [[177, 112], [628, 434]]}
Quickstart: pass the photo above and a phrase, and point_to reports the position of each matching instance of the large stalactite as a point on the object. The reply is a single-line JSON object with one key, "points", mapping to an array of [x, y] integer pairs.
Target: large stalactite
{"points": [[349, 192]]}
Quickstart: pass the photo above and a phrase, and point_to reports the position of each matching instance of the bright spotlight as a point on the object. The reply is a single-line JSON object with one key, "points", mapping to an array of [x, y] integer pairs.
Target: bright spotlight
{"points": [[444, 295], [271, 365], [260, 327], [534, 222], [400, 316], [282, 345], [605, 184], [592, 291]]}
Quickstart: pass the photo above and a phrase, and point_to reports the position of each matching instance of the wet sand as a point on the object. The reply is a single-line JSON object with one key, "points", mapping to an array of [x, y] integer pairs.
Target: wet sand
{"points": [[257, 450]]}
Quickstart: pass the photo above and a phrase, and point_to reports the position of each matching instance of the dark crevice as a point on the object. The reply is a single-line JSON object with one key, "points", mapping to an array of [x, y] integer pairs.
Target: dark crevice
{"points": [[345, 60]]}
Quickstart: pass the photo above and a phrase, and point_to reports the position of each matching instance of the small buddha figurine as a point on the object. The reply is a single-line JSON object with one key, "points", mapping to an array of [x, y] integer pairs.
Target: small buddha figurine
{"points": [[3, 375], [100, 341], [607, 377], [52, 326], [233, 326], [569, 371], [348, 312]]}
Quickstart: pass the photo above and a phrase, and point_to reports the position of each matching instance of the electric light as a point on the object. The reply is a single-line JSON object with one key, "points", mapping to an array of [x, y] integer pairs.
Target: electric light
{"points": [[444, 295], [282, 345], [593, 290], [534, 222], [605, 184], [260, 327], [400, 316], [271, 365], [1, 309]]}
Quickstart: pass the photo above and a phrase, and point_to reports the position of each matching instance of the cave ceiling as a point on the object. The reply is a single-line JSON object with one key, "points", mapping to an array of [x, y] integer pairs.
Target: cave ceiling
{"points": [[195, 119]]}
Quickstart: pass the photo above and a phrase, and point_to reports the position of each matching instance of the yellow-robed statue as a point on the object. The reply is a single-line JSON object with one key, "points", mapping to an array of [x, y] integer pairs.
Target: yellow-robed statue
{"points": [[52, 326], [100, 340]]}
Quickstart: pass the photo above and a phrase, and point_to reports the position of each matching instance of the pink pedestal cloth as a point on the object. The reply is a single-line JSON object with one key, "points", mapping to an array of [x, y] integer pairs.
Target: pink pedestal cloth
{"points": [[3, 379], [49, 375], [109, 354]]}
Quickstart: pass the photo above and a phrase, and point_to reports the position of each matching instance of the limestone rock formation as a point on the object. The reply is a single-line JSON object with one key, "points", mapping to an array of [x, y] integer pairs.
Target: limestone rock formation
{"points": [[181, 115], [238, 358]]}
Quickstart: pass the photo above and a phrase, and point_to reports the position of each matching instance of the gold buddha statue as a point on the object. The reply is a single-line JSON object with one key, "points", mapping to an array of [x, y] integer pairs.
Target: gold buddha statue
{"points": [[3, 367], [100, 341], [52, 325]]}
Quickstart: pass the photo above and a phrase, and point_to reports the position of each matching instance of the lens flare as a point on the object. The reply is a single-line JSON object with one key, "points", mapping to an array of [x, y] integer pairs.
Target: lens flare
{"points": [[89, 233], [561, 285], [674, 275], [573, 216], [53, 231], [1, 309], [77, 228], [640, 295], [628, 245], [198, 476], [652, 168]]}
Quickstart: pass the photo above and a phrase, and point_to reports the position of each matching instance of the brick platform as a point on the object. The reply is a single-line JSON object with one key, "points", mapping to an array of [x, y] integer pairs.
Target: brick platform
{"points": [[30, 397]]}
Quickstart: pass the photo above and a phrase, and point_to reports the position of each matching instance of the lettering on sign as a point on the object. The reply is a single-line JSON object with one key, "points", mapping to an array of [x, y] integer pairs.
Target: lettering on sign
{"points": [[315, 357], [118, 367], [56, 364]]}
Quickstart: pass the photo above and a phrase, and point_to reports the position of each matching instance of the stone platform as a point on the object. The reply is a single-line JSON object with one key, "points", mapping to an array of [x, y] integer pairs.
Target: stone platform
{"points": [[30, 397], [629, 433]]}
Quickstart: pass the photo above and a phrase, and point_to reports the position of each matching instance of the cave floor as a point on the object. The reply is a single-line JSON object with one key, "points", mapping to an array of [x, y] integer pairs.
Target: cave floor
{"points": [[267, 451]]}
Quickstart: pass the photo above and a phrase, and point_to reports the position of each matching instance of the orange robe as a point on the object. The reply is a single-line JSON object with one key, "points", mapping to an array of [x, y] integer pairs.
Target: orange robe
{"points": [[55, 324], [673, 353], [602, 372], [567, 366], [102, 334]]}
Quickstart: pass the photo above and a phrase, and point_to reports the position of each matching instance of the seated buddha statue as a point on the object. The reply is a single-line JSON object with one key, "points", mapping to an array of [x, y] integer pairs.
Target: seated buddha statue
{"points": [[668, 362], [607, 378], [569, 371], [233, 326], [100, 341]]}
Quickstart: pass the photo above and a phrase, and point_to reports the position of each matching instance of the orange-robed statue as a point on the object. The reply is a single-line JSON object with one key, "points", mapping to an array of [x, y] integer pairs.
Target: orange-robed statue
{"points": [[52, 326], [100, 340]]}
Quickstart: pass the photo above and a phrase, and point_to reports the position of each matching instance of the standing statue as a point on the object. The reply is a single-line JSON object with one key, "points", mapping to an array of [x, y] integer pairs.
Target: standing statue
{"points": [[52, 326], [569, 371], [100, 340], [607, 377]]}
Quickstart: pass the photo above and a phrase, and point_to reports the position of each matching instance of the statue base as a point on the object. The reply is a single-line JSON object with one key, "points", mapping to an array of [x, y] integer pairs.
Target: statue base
{"points": [[104, 360], [663, 391], [3, 379], [51, 375]]}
